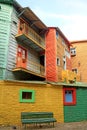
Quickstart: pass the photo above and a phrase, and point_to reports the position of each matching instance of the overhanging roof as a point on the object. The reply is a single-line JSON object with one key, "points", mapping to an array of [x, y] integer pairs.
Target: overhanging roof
{"points": [[27, 82], [77, 84], [60, 32], [29, 14], [78, 41]]}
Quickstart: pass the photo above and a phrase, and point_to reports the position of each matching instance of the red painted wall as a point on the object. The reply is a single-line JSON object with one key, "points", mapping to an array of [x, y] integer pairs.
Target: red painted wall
{"points": [[51, 69]]}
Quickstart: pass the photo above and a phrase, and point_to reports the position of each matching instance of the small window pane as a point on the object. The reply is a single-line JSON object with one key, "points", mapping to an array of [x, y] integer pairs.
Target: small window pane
{"points": [[73, 51], [27, 95], [58, 61], [68, 96], [57, 34]]}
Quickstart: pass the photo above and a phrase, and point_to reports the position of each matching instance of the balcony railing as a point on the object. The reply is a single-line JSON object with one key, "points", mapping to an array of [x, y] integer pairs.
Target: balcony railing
{"points": [[36, 68], [69, 76], [32, 68], [31, 34]]}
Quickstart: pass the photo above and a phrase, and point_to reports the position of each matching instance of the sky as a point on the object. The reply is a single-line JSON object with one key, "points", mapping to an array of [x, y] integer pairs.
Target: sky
{"points": [[69, 15]]}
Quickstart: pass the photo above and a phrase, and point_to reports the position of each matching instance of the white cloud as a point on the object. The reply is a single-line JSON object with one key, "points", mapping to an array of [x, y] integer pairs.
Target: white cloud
{"points": [[76, 30], [73, 26]]}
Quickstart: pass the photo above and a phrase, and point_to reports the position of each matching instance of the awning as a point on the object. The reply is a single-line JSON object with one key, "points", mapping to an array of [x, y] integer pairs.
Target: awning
{"points": [[30, 15]]}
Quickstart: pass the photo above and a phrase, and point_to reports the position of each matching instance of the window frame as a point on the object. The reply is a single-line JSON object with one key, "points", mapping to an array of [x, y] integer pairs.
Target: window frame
{"points": [[57, 34], [63, 42], [75, 70], [58, 62], [27, 100], [73, 96], [73, 51], [67, 53]]}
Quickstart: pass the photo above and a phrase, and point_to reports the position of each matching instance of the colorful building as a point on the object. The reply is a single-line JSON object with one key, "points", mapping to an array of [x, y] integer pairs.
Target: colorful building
{"points": [[22, 44], [79, 58], [14, 100], [36, 68], [77, 110], [22, 66], [57, 54]]}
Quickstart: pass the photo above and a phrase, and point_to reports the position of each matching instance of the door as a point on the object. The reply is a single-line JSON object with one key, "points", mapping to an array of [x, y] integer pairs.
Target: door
{"points": [[23, 27], [21, 57]]}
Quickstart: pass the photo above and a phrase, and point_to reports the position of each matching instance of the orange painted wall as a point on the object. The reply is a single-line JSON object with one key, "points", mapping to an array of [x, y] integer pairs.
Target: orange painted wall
{"points": [[60, 53], [55, 49], [51, 69], [80, 60]]}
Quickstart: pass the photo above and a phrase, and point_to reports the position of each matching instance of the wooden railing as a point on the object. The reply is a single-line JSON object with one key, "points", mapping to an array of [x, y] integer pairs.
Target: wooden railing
{"points": [[32, 67], [36, 68], [25, 29], [69, 76]]}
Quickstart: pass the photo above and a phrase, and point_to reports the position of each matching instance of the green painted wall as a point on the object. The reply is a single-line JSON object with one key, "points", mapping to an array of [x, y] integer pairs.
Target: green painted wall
{"points": [[6, 1], [79, 111], [5, 23]]}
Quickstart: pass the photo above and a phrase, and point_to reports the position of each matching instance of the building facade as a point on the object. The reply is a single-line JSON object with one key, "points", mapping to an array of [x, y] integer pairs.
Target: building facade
{"points": [[36, 68], [58, 57], [22, 43], [22, 59], [79, 58], [13, 100]]}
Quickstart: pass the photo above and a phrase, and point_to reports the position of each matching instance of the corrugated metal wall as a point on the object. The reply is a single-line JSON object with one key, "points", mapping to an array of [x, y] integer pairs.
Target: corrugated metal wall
{"points": [[51, 68], [12, 50], [5, 22]]}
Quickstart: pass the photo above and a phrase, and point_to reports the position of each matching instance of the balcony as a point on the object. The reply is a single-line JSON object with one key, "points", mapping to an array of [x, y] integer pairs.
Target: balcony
{"points": [[27, 35], [69, 76], [31, 68]]}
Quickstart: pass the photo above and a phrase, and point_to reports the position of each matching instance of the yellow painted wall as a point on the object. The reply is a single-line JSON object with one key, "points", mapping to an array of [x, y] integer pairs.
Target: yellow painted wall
{"points": [[47, 98], [80, 60]]}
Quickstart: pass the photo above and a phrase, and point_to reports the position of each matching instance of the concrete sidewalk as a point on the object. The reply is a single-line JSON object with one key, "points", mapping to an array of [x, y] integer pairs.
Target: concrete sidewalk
{"points": [[58, 126]]}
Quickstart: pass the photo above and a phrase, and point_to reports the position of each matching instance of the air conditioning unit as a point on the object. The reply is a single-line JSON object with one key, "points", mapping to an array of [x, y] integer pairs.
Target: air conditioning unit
{"points": [[73, 51]]}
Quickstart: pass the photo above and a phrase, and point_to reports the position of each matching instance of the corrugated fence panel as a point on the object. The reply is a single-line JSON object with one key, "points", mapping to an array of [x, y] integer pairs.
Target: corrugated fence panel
{"points": [[51, 70]]}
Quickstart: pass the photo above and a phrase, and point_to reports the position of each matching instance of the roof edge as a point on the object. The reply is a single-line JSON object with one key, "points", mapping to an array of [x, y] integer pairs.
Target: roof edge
{"points": [[61, 33], [78, 41]]}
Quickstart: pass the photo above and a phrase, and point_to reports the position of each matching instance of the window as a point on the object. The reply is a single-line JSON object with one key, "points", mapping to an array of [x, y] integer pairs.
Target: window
{"points": [[73, 51], [21, 57], [63, 42], [75, 70], [27, 95], [67, 53], [64, 62], [58, 61], [57, 34], [69, 95]]}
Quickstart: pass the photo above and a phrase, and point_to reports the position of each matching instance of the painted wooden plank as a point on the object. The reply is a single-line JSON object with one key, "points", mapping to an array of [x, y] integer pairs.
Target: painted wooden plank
{"points": [[5, 20]]}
